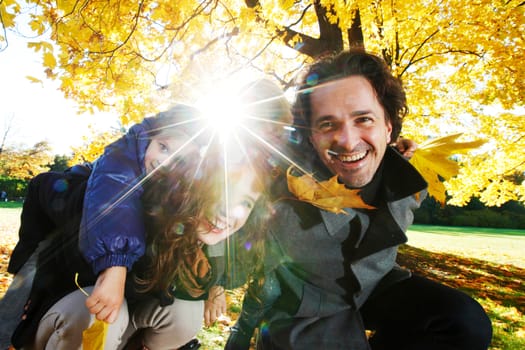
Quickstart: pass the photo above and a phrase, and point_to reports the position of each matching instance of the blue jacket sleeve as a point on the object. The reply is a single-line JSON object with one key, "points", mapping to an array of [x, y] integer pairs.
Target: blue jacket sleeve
{"points": [[112, 226]]}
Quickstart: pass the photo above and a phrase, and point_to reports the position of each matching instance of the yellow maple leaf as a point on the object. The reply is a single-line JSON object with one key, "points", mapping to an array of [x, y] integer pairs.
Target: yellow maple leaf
{"points": [[94, 337], [49, 60], [329, 195], [433, 160], [34, 80]]}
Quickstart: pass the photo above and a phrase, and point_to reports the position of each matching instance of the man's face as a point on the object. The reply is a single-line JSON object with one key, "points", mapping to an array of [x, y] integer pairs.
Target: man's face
{"points": [[349, 129]]}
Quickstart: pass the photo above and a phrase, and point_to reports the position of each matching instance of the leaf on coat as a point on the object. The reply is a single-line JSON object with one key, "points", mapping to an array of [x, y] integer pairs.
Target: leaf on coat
{"points": [[94, 337], [432, 160], [328, 195]]}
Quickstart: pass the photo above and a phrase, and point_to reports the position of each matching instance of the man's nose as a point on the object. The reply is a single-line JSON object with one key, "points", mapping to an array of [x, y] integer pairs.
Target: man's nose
{"points": [[347, 137]]}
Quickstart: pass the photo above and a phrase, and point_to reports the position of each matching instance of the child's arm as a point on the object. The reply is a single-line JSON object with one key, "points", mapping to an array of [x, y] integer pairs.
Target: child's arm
{"points": [[215, 306], [107, 296], [406, 147]]}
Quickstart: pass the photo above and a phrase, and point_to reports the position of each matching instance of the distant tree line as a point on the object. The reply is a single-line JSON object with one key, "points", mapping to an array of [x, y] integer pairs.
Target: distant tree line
{"points": [[475, 213], [16, 187], [509, 215]]}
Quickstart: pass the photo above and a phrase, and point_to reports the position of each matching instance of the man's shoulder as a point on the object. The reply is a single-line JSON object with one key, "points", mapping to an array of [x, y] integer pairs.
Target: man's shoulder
{"points": [[292, 216]]}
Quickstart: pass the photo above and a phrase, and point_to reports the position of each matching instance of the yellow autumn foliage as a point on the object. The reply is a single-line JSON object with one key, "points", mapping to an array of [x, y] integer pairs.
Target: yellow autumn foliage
{"points": [[93, 147], [25, 162], [433, 159], [460, 62], [329, 195]]}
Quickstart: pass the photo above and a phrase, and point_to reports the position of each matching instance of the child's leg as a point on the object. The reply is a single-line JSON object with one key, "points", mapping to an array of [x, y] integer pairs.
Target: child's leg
{"points": [[12, 304], [62, 326], [168, 327]]}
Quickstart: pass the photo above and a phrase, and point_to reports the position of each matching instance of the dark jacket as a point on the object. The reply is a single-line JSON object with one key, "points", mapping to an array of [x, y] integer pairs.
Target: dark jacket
{"points": [[53, 200], [327, 265], [57, 198]]}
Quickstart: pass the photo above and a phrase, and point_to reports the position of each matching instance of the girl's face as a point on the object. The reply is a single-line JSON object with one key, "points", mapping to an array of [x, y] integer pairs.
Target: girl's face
{"points": [[244, 190], [166, 145]]}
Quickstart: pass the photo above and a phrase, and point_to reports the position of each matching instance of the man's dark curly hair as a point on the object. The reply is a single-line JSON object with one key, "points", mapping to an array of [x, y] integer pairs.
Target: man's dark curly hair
{"points": [[389, 90]]}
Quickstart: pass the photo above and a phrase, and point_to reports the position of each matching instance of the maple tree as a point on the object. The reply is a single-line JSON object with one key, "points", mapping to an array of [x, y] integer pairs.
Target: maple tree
{"points": [[460, 61], [25, 163]]}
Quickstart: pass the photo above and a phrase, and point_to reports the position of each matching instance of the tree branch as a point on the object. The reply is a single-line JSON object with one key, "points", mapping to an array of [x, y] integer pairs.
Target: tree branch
{"points": [[330, 36], [231, 34], [355, 32], [134, 27], [182, 27]]}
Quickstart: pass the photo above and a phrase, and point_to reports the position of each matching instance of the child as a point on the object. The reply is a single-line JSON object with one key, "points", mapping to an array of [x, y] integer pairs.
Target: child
{"points": [[129, 154]]}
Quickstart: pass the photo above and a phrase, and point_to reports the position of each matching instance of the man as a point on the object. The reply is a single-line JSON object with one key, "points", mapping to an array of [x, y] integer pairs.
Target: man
{"points": [[327, 277]]}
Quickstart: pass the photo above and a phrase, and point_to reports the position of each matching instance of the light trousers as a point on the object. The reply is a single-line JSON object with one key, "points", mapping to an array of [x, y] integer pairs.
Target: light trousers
{"points": [[167, 327]]}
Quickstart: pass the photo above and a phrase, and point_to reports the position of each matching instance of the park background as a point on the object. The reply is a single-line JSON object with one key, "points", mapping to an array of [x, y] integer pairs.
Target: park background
{"points": [[461, 63]]}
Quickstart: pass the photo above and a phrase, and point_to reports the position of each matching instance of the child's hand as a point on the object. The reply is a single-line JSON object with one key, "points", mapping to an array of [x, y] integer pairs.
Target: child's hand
{"points": [[406, 147], [107, 296], [215, 306]]}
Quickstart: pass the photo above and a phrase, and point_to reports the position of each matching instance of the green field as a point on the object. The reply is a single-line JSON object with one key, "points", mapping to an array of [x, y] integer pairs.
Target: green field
{"points": [[462, 231], [11, 204]]}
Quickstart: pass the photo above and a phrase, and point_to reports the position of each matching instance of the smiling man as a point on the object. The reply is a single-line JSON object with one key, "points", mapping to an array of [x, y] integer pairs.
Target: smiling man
{"points": [[329, 277], [350, 131]]}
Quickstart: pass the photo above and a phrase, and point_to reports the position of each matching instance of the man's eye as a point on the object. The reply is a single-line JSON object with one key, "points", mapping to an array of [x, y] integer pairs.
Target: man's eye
{"points": [[325, 126], [364, 120]]}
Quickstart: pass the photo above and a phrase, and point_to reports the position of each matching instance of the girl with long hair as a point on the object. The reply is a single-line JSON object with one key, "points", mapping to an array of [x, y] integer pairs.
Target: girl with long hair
{"points": [[186, 213]]}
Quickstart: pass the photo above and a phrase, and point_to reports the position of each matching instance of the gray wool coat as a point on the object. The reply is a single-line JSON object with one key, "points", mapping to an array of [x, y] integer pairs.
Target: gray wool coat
{"points": [[324, 266]]}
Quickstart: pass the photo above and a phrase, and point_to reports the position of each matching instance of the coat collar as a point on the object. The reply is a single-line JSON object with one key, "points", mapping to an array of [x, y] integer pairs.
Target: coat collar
{"points": [[334, 222], [400, 178]]}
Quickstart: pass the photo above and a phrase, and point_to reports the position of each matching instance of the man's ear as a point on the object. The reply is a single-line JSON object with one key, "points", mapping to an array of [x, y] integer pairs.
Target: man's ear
{"points": [[389, 132]]}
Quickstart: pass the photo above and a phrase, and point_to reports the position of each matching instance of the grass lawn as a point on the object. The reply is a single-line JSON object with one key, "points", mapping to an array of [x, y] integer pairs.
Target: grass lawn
{"points": [[503, 246], [11, 204], [488, 264]]}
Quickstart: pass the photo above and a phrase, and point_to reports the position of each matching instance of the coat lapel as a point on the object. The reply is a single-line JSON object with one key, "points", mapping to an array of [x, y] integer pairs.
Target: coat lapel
{"points": [[335, 222]]}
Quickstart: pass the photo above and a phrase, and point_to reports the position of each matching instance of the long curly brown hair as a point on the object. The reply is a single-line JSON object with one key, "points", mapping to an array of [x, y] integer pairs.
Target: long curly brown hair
{"points": [[176, 200]]}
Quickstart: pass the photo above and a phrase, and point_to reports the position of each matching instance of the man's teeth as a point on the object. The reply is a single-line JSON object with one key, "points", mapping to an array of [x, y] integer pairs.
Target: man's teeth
{"points": [[348, 158]]}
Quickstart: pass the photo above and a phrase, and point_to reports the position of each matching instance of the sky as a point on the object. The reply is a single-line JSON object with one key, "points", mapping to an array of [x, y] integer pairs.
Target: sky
{"points": [[37, 112]]}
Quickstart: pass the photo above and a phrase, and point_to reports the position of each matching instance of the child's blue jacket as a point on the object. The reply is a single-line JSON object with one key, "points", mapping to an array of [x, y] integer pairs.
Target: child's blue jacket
{"points": [[112, 229]]}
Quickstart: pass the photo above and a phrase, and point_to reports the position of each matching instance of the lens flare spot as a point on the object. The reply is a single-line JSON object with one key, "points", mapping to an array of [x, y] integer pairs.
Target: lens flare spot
{"points": [[61, 185], [312, 79], [179, 228], [223, 112], [264, 329]]}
